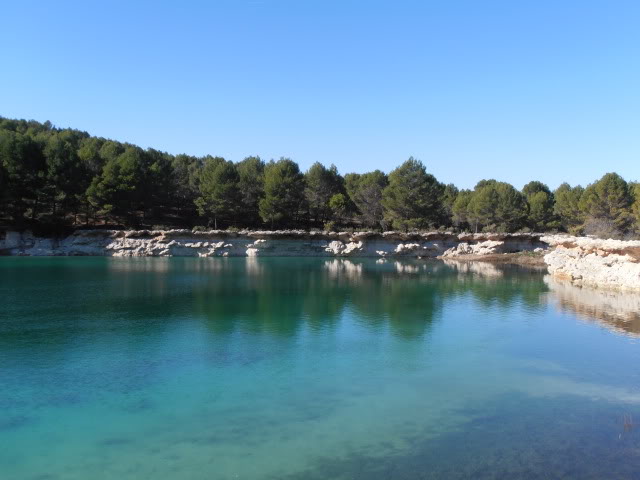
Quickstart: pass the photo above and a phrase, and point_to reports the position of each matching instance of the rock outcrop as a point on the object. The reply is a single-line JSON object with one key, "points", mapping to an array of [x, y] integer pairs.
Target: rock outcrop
{"points": [[594, 262], [216, 243]]}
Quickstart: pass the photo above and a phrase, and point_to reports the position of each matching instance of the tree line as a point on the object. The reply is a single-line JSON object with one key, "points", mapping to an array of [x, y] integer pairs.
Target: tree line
{"points": [[52, 177]]}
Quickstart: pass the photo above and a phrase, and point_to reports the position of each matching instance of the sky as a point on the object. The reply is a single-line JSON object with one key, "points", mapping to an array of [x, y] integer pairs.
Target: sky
{"points": [[512, 90]]}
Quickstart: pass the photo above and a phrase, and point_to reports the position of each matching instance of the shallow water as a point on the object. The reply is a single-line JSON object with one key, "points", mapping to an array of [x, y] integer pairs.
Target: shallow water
{"points": [[233, 368]]}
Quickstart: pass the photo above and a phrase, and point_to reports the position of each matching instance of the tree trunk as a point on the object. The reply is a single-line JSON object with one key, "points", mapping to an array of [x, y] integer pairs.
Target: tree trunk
{"points": [[35, 209]]}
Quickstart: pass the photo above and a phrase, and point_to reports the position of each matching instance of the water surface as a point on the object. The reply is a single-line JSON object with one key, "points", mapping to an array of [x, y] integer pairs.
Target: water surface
{"points": [[234, 368]]}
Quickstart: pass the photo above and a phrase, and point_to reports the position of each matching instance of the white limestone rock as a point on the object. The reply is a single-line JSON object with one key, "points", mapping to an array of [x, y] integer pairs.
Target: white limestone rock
{"points": [[180, 242], [486, 247], [594, 262]]}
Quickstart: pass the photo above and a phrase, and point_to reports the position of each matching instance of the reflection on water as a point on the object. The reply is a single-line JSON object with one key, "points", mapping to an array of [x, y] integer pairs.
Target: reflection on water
{"points": [[268, 368], [618, 311], [484, 269], [337, 268]]}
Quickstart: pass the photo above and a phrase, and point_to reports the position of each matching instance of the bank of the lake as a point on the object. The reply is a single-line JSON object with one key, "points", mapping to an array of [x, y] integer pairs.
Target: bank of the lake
{"points": [[252, 243], [584, 261]]}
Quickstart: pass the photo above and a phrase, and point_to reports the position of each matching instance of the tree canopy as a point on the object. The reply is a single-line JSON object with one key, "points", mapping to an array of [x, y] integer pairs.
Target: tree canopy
{"points": [[51, 177], [492, 206], [220, 197], [413, 198], [321, 184], [567, 206], [608, 202], [365, 191], [283, 193], [540, 215]]}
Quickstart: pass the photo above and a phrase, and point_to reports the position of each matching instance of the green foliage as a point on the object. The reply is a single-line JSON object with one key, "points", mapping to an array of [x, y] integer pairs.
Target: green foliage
{"points": [[51, 177], [511, 208], [413, 198], [283, 193], [481, 210], [157, 186], [365, 192], [608, 200], [540, 202], [635, 209], [23, 171], [567, 207], [185, 183], [251, 184], [534, 187], [110, 150], [484, 183], [492, 205], [339, 205], [89, 155], [330, 226], [65, 179], [118, 190], [321, 184], [541, 215], [219, 192], [449, 197], [460, 209]]}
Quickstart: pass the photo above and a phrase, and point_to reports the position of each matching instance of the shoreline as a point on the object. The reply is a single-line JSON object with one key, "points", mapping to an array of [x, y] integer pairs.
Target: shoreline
{"points": [[250, 243], [581, 260], [525, 259]]}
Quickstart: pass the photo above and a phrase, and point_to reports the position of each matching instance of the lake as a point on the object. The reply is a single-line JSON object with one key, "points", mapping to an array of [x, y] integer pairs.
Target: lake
{"points": [[308, 368]]}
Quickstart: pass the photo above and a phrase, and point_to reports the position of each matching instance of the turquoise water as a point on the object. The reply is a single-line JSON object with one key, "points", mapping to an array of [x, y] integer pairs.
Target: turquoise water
{"points": [[234, 368]]}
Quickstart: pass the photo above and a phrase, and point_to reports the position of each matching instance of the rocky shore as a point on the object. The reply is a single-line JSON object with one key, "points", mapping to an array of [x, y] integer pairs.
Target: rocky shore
{"points": [[583, 261], [218, 243], [594, 262]]}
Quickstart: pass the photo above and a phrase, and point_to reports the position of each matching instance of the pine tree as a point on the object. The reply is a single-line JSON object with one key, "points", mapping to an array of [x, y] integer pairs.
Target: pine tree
{"points": [[567, 207], [321, 184], [365, 192], [283, 193], [219, 198], [413, 198], [607, 206]]}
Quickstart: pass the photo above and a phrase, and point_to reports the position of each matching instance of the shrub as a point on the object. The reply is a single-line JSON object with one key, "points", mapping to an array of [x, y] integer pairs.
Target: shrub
{"points": [[330, 226], [602, 228]]}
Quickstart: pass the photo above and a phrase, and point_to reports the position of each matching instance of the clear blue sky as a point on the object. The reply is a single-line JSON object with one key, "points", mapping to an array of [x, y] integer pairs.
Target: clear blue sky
{"points": [[513, 90]]}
